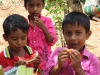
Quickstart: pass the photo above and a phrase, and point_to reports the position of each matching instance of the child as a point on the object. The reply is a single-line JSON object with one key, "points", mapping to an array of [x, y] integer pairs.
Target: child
{"points": [[92, 9], [41, 34], [76, 30], [15, 32]]}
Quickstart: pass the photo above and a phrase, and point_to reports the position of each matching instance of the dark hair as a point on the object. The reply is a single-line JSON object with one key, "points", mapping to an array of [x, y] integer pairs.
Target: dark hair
{"points": [[78, 18], [13, 22], [25, 1]]}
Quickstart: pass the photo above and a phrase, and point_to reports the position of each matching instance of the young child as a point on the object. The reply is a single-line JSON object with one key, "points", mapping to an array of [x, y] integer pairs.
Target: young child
{"points": [[92, 9], [79, 61], [15, 33], [41, 34]]}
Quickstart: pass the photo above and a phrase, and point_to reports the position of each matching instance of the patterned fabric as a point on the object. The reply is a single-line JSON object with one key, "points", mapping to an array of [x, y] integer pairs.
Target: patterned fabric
{"points": [[38, 42], [90, 64], [7, 53], [92, 7], [92, 2]]}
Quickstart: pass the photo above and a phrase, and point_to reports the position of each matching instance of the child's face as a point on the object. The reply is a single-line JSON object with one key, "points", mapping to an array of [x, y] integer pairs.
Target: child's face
{"points": [[75, 36], [17, 40], [34, 7]]}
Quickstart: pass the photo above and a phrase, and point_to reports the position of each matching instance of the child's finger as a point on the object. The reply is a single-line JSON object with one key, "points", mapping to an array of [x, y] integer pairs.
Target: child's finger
{"points": [[72, 57], [76, 54]]}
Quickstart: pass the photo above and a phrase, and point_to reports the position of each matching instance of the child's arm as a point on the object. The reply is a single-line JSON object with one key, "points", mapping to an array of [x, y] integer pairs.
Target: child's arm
{"points": [[49, 36], [75, 57], [62, 57]]}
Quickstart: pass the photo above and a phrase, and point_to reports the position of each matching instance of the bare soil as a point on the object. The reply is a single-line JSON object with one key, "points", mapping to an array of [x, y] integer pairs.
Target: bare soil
{"points": [[93, 43]]}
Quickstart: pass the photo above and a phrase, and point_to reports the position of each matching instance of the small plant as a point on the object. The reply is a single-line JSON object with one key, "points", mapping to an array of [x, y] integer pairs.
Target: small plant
{"points": [[56, 10]]}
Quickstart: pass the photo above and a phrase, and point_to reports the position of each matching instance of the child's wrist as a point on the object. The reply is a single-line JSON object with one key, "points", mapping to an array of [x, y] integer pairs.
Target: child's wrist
{"points": [[78, 69], [58, 65]]}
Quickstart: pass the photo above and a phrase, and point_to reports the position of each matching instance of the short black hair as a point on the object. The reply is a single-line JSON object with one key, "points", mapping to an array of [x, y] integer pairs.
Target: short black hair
{"points": [[13, 22], [76, 17], [26, 1]]}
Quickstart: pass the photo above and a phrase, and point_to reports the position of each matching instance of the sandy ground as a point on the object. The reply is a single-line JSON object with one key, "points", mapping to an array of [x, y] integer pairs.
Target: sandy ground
{"points": [[93, 43]]}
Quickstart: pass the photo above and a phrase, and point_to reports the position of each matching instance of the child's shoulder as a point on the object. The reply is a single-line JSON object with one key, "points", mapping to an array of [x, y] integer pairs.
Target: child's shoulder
{"points": [[2, 54], [91, 56]]}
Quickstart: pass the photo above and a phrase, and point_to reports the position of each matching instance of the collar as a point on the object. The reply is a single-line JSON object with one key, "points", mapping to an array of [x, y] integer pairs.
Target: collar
{"points": [[86, 53], [8, 54]]}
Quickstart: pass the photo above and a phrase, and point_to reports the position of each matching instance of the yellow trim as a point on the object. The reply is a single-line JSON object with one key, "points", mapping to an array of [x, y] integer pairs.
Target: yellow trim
{"points": [[29, 49], [7, 52]]}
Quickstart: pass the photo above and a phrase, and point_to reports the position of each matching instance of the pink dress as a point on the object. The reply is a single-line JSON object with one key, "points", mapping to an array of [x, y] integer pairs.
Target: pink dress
{"points": [[37, 40]]}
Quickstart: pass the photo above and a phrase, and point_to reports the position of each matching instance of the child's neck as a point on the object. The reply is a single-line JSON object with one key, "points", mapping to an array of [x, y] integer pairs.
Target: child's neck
{"points": [[81, 50], [20, 53]]}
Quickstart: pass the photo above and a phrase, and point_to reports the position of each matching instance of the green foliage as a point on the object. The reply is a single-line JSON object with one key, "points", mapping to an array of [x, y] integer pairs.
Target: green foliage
{"points": [[56, 10], [0, 3]]}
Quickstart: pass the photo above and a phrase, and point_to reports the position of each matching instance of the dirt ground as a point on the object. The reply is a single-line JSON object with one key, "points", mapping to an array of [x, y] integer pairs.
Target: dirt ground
{"points": [[93, 43]]}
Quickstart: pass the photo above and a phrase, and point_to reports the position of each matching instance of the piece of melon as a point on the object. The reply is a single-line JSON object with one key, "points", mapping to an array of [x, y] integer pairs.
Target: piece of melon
{"points": [[29, 59]]}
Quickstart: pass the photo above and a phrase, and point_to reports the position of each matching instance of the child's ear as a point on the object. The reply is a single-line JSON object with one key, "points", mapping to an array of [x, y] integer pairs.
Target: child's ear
{"points": [[25, 6], [5, 37], [89, 34]]}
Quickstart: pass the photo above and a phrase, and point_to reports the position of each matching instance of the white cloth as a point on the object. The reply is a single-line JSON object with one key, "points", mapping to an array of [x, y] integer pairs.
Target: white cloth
{"points": [[92, 2]]}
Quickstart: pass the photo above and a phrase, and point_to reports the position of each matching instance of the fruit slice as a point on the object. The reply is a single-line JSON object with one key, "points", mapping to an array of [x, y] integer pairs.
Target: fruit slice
{"points": [[29, 59], [69, 50]]}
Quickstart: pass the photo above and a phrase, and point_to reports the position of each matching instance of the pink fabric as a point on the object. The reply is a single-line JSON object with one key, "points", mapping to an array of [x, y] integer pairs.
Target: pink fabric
{"points": [[90, 64], [8, 68], [37, 40]]}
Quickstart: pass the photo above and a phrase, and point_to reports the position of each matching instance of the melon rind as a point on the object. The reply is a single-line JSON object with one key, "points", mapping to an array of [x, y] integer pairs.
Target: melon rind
{"points": [[30, 60]]}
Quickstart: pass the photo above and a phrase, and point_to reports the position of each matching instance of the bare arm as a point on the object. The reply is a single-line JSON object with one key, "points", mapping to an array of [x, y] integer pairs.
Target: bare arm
{"points": [[62, 57], [75, 57], [48, 35], [40, 24], [56, 70], [80, 71]]}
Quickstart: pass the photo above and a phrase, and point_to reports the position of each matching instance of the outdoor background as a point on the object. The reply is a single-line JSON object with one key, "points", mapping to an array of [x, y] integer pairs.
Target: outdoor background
{"points": [[93, 43]]}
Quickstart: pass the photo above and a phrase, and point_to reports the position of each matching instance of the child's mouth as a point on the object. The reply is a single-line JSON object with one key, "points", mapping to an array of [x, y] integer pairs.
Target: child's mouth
{"points": [[73, 46]]}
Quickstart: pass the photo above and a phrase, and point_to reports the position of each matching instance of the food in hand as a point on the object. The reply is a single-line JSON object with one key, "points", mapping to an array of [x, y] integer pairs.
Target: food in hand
{"points": [[69, 50], [29, 59]]}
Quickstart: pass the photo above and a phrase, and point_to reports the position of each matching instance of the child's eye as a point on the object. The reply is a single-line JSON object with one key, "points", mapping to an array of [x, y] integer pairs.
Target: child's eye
{"points": [[78, 33], [68, 33], [23, 38], [31, 5], [14, 39], [38, 5]]}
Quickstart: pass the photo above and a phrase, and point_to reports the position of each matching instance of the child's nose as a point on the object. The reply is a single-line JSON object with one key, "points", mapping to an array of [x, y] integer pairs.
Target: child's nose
{"points": [[19, 42], [35, 8], [73, 37]]}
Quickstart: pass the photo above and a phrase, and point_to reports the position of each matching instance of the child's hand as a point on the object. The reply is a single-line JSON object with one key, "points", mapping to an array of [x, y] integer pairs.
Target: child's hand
{"points": [[39, 22], [37, 62], [62, 57], [75, 57], [20, 63]]}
